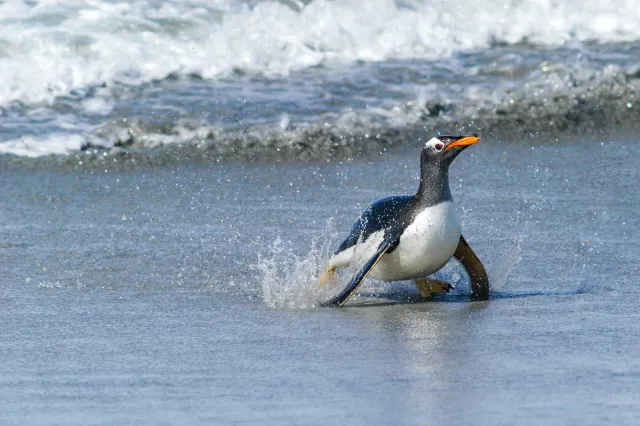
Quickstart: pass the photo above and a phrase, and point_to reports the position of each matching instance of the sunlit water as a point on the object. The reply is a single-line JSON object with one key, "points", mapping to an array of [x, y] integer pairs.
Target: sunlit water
{"points": [[187, 294]]}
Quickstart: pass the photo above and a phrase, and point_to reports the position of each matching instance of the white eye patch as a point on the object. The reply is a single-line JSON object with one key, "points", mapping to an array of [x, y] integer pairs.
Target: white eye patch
{"points": [[435, 144]]}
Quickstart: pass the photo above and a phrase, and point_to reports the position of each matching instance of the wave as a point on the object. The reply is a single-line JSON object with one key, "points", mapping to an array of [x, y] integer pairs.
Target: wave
{"points": [[594, 102], [56, 49]]}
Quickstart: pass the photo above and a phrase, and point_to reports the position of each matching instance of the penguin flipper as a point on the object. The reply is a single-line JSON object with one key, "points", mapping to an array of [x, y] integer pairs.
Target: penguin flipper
{"points": [[477, 274], [388, 244]]}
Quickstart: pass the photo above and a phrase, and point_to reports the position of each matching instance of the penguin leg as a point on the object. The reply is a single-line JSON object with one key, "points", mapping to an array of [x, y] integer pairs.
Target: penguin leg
{"points": [[327, 275], [428, 287], [477, 274], [338, 260], [387, 245]]}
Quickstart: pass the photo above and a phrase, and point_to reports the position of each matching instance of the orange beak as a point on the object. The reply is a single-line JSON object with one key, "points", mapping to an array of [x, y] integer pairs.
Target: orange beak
{"points": [[467, 140]]}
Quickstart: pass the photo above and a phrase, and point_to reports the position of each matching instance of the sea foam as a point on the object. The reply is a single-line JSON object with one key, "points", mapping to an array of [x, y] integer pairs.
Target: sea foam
{"points": [[51, 49]]}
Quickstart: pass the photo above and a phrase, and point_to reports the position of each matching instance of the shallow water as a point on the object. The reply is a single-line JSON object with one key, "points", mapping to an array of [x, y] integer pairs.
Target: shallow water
{"points": [[139, 297]]}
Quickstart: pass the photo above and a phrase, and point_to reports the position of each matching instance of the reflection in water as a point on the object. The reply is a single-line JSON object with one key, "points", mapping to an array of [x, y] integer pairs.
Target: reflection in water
{"points": [[428, 342]]}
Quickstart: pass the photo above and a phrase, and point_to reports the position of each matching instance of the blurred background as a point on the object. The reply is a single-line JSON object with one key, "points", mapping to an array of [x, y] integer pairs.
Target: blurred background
{"points": [[240, 79]]}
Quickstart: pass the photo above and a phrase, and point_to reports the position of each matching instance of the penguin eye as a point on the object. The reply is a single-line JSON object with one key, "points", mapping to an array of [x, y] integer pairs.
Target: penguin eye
{"points": [[439, 146]]}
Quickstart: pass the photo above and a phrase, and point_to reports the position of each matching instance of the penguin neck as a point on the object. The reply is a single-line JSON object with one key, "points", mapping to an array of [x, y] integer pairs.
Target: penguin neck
{"points": [[434, 184]]}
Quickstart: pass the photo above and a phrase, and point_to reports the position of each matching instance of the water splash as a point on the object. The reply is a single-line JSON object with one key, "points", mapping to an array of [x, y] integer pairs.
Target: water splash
{"points": [[585, 268], [510, 257], [290, 280]]}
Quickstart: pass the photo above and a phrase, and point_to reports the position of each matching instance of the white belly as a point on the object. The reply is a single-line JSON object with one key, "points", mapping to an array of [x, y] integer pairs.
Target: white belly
{"points": [[425, 246]]}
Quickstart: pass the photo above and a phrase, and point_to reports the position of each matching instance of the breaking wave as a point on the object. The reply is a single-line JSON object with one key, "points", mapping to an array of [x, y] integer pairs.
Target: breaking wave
{"points": [[52, 49], [100, 80]]}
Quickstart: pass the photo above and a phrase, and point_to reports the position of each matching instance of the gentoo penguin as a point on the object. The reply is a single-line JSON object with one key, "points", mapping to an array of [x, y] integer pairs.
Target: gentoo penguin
{"points": [[409, 237]]}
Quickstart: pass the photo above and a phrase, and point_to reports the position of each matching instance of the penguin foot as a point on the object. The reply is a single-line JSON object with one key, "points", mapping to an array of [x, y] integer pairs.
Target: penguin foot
{"points": [[327, 276], [428, 287]]}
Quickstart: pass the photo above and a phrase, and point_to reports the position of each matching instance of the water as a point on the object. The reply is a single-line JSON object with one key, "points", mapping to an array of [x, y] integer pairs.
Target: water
{"points": [[306, 79], [175, 174], [142, 296]]}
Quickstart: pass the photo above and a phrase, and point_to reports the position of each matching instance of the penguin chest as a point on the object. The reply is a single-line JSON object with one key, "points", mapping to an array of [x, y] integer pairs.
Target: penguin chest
{"points": [[425, 246]]}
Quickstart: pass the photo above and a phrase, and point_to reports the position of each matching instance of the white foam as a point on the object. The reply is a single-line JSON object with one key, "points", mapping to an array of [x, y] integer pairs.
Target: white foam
{"points": [[51, 48], [30, 146], [97, 106]]}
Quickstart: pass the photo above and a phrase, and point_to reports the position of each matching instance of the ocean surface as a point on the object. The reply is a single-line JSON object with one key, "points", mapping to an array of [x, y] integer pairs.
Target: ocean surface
{"points": [[174, 176], [187, 295], [307, 79]]}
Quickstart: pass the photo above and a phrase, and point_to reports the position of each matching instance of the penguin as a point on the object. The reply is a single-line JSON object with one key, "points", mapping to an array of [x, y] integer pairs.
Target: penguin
{"points": [[409, 237]]}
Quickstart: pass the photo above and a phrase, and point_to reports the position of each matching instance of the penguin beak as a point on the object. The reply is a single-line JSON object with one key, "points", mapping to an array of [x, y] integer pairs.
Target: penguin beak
{"points": [[464, 141]]}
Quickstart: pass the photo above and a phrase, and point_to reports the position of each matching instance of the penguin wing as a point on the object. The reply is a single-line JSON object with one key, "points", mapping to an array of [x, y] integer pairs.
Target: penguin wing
{"points": [[383, 215], [388, 244]]}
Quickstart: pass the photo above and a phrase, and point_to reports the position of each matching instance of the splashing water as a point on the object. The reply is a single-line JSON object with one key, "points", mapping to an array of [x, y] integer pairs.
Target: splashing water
{"points": [[290, 280], [510, 257], [585, 268]]}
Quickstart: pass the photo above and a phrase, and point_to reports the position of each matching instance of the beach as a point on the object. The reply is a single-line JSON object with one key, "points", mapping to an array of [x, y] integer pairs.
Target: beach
{"points": [[176, 174]]}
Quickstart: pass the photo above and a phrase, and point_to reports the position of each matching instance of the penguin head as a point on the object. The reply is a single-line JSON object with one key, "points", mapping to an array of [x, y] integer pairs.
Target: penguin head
{"points": [[443, 149]]}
